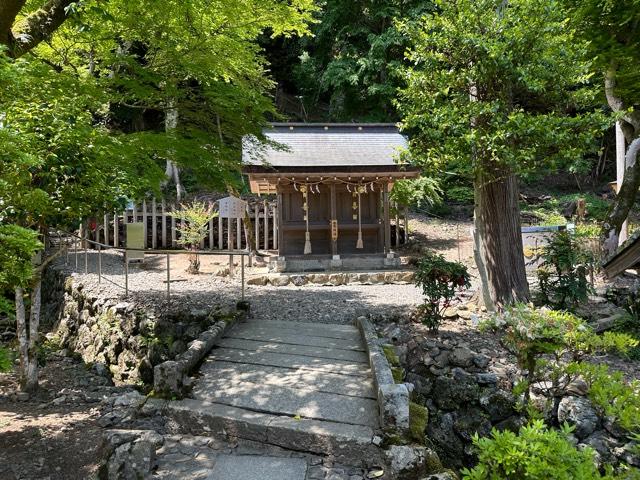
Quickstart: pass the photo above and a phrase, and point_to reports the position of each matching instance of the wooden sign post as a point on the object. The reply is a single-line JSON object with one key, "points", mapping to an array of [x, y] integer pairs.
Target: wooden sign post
{"points": [[231, 208]]}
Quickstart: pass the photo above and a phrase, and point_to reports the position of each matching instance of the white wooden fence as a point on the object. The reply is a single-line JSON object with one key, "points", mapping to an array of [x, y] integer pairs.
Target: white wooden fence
{"points": [[161, 227]]}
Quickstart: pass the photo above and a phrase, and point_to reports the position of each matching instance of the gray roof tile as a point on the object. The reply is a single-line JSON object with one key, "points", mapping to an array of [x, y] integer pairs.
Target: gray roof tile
{"points": [[312, 145]]}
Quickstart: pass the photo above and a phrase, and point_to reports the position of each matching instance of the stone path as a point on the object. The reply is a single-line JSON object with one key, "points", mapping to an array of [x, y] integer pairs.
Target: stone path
{"points": [[301, 386]]}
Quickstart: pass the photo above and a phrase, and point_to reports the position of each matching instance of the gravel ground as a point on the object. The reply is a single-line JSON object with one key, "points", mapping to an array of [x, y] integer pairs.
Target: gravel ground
{"points": [[309, 303]]}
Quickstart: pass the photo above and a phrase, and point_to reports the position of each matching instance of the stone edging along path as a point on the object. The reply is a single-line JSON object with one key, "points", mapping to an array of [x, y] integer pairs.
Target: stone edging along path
{"points": [[169, 377], [393, 398], [401, 277]]}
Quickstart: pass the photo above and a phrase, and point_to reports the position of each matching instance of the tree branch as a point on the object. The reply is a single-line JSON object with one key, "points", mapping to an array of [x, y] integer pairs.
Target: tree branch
{"points": [[617, 104], [38, 26], [8, 12]]}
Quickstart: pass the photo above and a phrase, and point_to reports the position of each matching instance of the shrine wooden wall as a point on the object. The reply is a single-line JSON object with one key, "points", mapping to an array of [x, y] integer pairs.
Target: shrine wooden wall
{"points": [[293, 224]]}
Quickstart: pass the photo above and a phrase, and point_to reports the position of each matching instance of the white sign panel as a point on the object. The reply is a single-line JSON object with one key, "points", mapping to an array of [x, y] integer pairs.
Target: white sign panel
{"points": [[231, 207]]}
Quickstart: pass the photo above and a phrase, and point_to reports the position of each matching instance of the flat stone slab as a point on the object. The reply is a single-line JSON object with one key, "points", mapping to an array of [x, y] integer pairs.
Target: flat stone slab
{"points": [[306, 350], [293, 338], [294, 328], [253, 467], [341, 367], [210, 418], [326, 327], [219, 374], [302, 402]]}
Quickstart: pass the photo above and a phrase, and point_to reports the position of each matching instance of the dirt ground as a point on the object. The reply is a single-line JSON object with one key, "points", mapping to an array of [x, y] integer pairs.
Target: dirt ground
{"points": [[45, 438]]}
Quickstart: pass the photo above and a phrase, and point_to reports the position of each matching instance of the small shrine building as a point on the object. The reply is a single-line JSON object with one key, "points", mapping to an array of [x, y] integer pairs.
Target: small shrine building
{"points": [[332, 183]]}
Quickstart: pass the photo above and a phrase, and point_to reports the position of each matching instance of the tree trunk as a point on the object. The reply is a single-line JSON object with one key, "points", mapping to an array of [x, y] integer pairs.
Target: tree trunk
{"points": [[498, 244], [23, 338], [172, 171], [31, 380], [625, 198]]}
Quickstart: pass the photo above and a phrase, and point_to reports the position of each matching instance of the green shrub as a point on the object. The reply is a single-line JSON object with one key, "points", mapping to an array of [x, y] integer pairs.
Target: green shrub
{"points": [[439, 280], [562, 276], [530, 333], [609, 391], [6, 360], [193, 229], [535, 453], [460, 194]]}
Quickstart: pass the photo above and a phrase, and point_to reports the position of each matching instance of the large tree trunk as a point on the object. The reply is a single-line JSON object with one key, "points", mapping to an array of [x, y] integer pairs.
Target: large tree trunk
{"points": [[625, 198], [23, 337], [172, 171], [31, 380], [28, 337], [498, 239], [627, 192]]}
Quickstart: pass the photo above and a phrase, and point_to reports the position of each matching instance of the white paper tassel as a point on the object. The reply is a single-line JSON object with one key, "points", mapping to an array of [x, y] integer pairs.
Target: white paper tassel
{"points": [[307, 243], [359, 243]]}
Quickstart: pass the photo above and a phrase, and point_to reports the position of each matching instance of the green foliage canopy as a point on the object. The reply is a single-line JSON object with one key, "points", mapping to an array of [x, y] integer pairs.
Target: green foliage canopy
{"points": [[501, 84]]}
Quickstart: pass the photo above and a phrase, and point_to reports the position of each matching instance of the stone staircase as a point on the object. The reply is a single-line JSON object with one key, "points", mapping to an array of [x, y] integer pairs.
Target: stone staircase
{"points": [[301, 386]]}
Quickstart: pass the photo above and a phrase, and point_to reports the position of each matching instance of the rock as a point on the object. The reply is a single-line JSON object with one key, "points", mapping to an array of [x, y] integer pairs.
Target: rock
{"points": [[319, 278], [337, 279], [487, 378], [465, 314], [629, 454], [260, 280], [441, 476], [470, 421], [450, 392], [578, 411], [577, 387], [279, 280], [129, 399], [450, 312], [499, 404], [603, 444], [406, 462], [461, 357], [22, 396], [481, 361], [422, 385], [131, 461], [298, 280], [513, 424], [441, 433]]}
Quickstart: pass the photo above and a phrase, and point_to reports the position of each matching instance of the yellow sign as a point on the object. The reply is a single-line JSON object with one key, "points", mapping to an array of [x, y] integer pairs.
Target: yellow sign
{"points": [[334, 230]]}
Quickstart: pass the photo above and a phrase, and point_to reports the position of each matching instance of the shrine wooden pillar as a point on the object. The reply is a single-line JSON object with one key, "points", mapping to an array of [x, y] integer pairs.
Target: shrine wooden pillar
{"points": [[280, 230], [386, 220], [334, 218]]}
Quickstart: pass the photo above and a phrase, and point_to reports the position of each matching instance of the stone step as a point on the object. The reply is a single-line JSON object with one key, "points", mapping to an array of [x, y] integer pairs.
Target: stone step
{"points": [[319, 352], [294, 328], [346, 443], [255, 467], [331, 327], [303, 402], [216, 374], [341, 367], [294, 339]]}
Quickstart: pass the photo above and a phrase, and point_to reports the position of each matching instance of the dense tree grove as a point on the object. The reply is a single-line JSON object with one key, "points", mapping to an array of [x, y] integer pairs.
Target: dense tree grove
{"points": [[95, 98]]}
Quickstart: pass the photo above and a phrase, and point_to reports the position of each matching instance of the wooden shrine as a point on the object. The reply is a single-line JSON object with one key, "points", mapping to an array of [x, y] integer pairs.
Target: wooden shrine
{"points": [[332, 183]]}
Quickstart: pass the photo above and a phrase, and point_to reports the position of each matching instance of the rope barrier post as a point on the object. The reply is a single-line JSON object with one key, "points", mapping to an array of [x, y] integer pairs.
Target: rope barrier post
{"points": [[126, 274], [99, 263], [168, 278], [86, 258], [242, 275], [75, 250]]}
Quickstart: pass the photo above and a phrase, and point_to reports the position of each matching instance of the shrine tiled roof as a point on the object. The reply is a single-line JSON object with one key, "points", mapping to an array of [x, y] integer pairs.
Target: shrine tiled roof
{"points": [[326, 145]]}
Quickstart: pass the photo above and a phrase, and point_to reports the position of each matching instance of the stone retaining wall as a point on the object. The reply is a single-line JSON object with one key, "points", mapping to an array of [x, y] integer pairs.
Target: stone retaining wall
{"points": [[120, 339]]}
